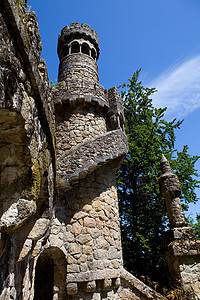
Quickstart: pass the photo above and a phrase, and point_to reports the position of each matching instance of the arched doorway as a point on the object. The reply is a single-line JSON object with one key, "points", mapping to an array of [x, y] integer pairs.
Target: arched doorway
{"points": [[50, 275]]}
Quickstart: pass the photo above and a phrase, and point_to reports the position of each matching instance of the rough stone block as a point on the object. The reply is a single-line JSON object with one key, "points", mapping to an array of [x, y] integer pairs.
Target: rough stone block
{"points": [[72, 288], [91, 286]]}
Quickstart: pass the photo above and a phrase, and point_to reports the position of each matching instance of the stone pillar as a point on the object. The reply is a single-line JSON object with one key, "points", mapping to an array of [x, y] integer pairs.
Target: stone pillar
{"points": [[183, 252], [170, 189]]}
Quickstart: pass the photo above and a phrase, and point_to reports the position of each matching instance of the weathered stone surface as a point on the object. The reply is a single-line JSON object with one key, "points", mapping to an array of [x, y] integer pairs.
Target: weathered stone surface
{"points": [[72, 288], [76, 228], [25, 249], [107, 283], [91, 286], [183, 250], [84, 238], [39, 229], [73, 268], [89, 222], [100, 150], [17, 214], [74, 248]]}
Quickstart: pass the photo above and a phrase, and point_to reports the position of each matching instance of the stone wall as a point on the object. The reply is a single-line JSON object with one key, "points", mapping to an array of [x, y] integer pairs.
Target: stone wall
{"points": [[87, 222], [80, 66], [73, 128], [27, 158]]}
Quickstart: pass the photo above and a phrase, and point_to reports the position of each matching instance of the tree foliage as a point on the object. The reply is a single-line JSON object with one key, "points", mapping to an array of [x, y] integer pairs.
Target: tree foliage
{"points": [[196, 225], [142, 209]]}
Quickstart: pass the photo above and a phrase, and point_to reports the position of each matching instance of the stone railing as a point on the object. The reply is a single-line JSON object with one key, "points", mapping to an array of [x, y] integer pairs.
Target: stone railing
{"points": [[126, 285], [87, 156], [130, 284]]}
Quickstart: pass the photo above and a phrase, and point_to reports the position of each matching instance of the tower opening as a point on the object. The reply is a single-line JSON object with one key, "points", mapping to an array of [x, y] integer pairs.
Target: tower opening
{"points": [[85, 49], [75, 47], [44, 278], [50, 275]]}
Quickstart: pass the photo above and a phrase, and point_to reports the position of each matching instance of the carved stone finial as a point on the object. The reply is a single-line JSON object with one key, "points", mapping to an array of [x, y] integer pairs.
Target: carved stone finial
{"points": [[165, 165], [169, 182]]}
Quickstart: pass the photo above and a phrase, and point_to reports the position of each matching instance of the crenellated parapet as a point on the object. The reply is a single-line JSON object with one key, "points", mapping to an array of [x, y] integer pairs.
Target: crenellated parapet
{"points": [[82, 34], [74, 91]]}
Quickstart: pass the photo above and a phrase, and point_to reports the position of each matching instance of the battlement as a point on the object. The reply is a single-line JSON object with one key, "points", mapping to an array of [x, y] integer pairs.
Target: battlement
{"points": [[83, 26], [78, 39]]}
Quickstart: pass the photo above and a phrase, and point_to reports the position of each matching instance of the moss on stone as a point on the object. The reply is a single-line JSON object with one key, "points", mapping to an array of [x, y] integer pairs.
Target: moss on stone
{"points": [[36, 187]]}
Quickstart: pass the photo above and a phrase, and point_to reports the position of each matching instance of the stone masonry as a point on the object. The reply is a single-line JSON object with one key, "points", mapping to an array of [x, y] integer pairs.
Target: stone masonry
{"points": [[59, 148], [183, 250]]}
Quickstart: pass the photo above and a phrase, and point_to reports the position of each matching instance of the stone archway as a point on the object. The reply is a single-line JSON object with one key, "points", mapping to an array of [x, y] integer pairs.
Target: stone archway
{"points": [[50, 275]]}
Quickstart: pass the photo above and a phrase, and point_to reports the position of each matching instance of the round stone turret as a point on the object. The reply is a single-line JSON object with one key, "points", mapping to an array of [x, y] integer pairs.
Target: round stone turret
{"points": [[78, 51]]}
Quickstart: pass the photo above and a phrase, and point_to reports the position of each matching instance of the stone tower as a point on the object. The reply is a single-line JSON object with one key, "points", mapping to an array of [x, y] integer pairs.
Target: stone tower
{"points": [[88, 150]]}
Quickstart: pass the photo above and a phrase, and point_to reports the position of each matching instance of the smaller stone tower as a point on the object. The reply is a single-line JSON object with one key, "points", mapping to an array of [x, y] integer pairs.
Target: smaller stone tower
{"points": [[72, 44], [183, 252]]}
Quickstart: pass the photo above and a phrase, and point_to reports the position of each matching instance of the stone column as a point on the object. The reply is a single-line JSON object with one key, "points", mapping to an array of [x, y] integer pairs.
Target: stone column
{"points": [[183, 252]]}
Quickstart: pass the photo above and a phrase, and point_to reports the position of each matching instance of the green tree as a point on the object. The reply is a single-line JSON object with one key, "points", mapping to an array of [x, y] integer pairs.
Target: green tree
{"points": [[142, 209], [195, 224]]}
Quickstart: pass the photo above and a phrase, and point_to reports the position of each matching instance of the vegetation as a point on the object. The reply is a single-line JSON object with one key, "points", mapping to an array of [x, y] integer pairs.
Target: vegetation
{"points": [[195, 225], [142, 209]]}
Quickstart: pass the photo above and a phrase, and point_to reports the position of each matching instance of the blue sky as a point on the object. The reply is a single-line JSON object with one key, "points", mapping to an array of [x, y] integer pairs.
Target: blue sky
{"points": [[159, 36]]}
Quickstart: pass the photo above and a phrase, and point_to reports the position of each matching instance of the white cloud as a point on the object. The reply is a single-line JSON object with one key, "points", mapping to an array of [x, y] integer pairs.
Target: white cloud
{"points": [[179, 89]]}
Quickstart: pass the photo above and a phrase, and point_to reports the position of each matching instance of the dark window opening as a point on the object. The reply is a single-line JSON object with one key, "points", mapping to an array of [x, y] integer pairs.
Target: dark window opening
{"points": [[85, 49], [75, 47]]}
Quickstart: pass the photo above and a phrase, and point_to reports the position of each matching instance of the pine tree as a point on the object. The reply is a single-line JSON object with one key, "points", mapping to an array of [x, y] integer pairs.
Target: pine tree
{"points": [[142, 209]]}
